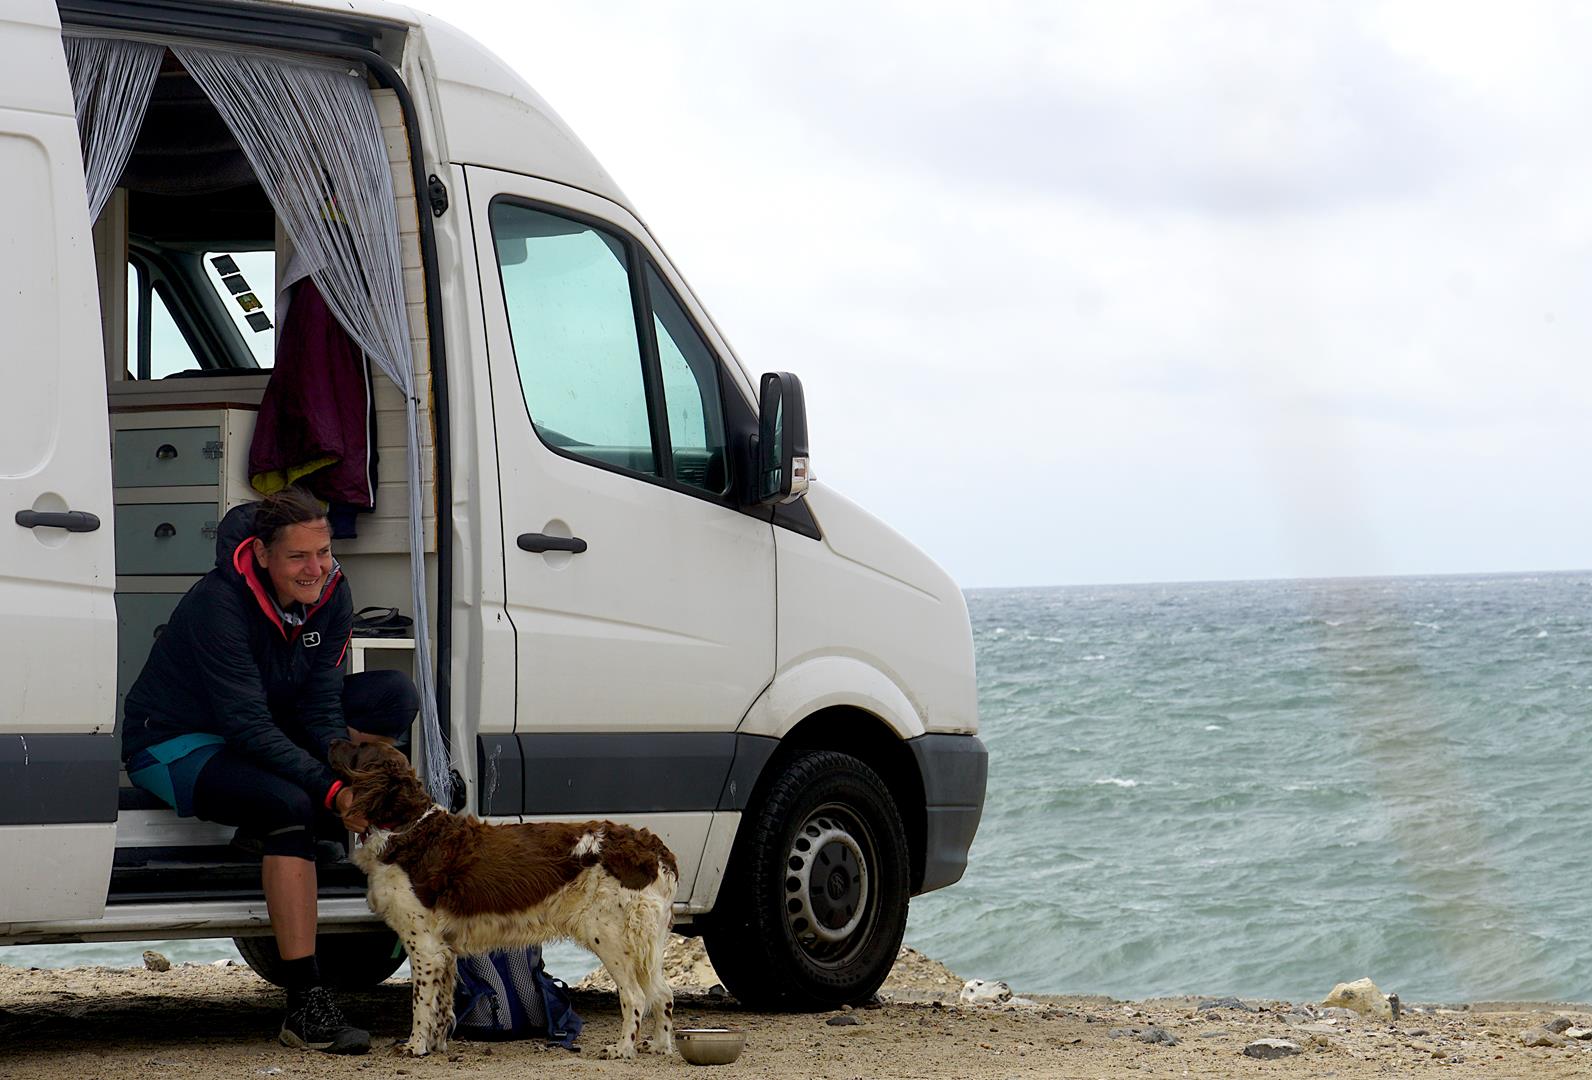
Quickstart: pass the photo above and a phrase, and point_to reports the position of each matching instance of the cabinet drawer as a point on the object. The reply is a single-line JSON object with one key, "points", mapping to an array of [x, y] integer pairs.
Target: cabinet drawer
{"points": [[140, 618], [160, 457], [165, 538]]}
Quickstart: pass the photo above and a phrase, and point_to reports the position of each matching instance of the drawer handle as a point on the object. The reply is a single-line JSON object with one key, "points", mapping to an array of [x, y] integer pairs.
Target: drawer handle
{"points": [[165, 451], [165, 530]]}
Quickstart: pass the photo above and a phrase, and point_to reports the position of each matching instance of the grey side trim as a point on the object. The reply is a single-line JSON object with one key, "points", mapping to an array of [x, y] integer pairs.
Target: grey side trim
{"points": [[499, 775], [751, 754], [58, 779], [624, 772], [955, 771]]}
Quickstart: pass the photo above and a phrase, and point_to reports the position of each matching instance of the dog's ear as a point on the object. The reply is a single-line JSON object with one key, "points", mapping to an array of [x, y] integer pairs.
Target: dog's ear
{"points": [[340, 755]]}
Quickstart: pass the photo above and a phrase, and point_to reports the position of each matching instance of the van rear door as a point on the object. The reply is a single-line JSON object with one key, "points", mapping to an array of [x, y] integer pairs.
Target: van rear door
{"points": [[58, 759]]}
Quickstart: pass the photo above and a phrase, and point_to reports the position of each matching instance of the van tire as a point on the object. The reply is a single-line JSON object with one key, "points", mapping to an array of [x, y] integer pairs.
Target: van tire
{"points": [[353, 961], [778, 938]]}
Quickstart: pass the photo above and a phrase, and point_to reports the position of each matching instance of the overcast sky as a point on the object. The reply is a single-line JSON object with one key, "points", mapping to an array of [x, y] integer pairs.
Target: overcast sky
{"points": [[1098, 292]]}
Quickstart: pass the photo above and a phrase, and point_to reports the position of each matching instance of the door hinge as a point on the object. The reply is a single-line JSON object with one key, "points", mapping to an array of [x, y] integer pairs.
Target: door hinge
{"points": [[437, 192]]}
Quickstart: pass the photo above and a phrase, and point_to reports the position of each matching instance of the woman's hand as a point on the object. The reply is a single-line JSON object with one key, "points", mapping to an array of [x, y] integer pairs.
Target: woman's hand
{"points": [[344, 802]]}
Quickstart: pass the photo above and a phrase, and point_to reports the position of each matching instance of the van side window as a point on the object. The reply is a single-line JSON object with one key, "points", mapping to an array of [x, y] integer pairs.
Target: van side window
{"points": [[690, 393], [572, 320], [193, 313], [156, 346]]}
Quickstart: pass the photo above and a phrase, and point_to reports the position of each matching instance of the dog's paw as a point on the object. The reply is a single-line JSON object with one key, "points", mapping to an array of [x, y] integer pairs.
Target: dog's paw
{"points": [[656, 1046], [617, 1051], [411, 1049]]}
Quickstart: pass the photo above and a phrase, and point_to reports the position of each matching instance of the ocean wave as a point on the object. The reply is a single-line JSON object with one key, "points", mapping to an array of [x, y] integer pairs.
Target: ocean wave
{"points": [[1118, 781]]}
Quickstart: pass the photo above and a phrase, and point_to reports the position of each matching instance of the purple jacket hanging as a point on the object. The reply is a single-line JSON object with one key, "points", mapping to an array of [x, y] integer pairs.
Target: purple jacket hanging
{"points": [[317, 426]]}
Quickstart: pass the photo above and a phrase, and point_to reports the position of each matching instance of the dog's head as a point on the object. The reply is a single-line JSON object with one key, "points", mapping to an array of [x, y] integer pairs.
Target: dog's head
{"points": [[387, 793]]}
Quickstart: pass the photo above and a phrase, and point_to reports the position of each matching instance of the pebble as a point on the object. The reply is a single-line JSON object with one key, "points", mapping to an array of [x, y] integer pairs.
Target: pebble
{"points": [[274, 1070], [1577, 1033], [1558, 1025], [1157, 1036], [1224, 1003], [156, 962], [1267, 1049], [1542, 1037], [843, 1020]]}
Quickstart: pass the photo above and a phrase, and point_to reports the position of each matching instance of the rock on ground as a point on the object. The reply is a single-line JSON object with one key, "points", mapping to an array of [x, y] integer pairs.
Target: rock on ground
{"points": [[980, 992], [1267, 1049], [1542, 1037], [1362, 997]]}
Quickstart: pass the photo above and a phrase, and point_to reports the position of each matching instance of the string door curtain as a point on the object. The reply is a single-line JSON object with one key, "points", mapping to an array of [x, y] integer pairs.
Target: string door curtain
{"points": [[312, 135], [111, 84]]}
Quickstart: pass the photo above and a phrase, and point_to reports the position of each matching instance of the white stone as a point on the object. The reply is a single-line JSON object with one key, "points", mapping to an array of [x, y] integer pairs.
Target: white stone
{"points": [[980, 992], [1362, 997]]}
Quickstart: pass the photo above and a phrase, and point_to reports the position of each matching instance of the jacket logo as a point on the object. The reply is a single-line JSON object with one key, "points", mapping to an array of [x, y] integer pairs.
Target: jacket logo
{"points": [[312, 639]]}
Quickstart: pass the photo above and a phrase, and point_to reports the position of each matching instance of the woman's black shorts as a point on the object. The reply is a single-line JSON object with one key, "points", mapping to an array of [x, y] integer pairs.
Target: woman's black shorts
{"points": [[233, 790]]}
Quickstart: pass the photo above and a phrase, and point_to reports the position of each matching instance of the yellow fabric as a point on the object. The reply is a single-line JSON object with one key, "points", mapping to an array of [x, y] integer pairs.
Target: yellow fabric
{"points": [[269, 483]]}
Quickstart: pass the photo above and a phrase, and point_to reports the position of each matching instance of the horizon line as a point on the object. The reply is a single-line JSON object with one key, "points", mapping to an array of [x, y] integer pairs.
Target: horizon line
{"points": [[1265, 580]]}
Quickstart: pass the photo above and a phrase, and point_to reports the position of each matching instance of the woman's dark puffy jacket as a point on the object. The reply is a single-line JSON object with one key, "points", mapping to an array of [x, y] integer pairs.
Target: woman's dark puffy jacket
{"points": [[227, 665]]}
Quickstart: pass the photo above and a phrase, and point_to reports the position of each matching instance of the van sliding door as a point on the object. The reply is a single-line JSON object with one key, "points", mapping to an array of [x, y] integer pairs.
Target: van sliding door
{"points": [[58, 760]]}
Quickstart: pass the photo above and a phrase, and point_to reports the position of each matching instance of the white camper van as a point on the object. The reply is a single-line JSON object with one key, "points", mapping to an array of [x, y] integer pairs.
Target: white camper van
{"points": [[620, 595]]}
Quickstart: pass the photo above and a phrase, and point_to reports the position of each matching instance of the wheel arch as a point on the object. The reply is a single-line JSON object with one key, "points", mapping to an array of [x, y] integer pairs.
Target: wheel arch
{"points": [[848, 729]]}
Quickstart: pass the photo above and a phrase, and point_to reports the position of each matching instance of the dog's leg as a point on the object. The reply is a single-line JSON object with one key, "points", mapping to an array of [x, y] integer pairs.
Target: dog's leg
{"points": [[428, 973], [617, 959], [450, 971], [660, 999]]}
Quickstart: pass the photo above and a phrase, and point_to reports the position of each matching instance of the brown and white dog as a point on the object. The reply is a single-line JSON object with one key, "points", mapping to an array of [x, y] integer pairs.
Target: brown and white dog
{"points": [[453, 886]]}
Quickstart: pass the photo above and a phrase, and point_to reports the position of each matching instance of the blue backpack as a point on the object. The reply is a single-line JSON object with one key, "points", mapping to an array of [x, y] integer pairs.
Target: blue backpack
{"points": [[510, 995]]}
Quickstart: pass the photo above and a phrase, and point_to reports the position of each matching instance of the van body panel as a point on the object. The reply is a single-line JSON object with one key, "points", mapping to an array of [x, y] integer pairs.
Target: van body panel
{"points": [[480, 99], [826, 682], [55, 872], [57, 592], [866, 593]]}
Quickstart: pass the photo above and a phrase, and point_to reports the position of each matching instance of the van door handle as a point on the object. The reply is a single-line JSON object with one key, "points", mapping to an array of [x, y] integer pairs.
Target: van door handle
{"points": [[542, 542], [70, 520]]}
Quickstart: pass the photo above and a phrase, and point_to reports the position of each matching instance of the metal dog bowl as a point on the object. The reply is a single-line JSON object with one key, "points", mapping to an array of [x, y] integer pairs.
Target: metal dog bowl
{"points": [[709, 1046]]}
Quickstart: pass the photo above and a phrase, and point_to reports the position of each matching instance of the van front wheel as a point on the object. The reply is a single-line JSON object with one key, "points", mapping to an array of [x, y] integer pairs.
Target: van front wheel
{"points": [[815, 901]]}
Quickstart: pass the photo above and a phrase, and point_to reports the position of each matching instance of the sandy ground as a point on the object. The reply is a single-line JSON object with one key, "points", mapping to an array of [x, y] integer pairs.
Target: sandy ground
{"points": [[205, 1021]]}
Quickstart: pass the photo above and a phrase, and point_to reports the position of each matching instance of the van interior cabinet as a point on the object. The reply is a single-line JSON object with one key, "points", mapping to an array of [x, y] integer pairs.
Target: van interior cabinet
{"points": [[175, 472]]}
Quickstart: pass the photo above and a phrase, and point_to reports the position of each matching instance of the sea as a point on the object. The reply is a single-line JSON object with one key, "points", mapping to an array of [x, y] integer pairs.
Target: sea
{"points": [[1261, 789]]}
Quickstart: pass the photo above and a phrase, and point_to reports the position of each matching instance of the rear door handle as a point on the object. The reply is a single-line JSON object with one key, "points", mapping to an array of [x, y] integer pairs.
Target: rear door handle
{"points": [[70, 520], [542, 542]]}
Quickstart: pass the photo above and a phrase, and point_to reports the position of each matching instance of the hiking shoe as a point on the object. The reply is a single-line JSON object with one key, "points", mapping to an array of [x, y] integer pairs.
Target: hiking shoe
{"points": [[314, 1022]]}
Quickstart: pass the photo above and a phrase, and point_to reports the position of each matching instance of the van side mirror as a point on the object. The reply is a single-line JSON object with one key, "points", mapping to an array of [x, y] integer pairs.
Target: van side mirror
{"points": [[782, 462]]}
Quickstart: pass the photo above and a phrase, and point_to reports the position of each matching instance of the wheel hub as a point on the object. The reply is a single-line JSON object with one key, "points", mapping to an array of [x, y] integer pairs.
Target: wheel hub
{"points": [[826, 889]]}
